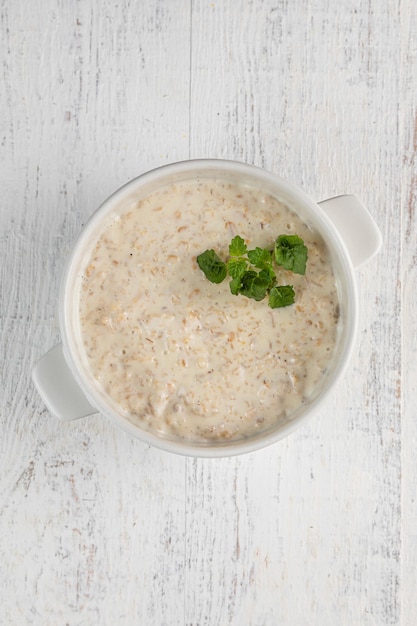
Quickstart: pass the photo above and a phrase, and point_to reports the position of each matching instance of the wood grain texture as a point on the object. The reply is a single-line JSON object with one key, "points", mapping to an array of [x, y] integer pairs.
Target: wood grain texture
{"points": [[408, 134], [96, 528]]}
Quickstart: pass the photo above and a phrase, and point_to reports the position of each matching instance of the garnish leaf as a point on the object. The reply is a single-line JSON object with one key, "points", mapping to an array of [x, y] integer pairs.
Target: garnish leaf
{"points": [[242, 265], [236, 266], [268, 275], [235, 285], [253, 285], [291, 253], [281, 296], [260, 257], [237, 246], [212, 266]]}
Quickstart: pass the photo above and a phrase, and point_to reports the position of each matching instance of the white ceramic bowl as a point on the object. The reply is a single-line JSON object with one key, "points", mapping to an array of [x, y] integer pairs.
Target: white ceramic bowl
{"points": [[61, 376]]}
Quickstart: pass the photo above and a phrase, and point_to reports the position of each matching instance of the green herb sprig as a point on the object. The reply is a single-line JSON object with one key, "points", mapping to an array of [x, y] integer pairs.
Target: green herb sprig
{"points": [[252, 272]]}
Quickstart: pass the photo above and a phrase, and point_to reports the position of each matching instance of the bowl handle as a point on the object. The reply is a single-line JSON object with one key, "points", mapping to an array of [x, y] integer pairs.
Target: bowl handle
{"points": [[356, 226], [58, 388]]}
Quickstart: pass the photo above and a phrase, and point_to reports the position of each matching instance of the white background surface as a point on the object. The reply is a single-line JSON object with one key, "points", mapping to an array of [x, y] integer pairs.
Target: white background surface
{"points": [[96, 528]]}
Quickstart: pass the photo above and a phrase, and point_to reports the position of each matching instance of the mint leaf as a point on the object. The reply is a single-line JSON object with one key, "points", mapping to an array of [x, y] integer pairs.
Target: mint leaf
{"points": [[235, 285], [236, 266], [253, 285], [242, 265], [291, 253], [268, 275], [237, 246], [243, 284], [281, 296], [212, 266], [260, 257]]}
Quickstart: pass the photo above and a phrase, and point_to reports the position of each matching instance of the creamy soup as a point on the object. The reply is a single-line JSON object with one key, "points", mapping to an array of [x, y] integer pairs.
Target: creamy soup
{"points": [[181, 356]]}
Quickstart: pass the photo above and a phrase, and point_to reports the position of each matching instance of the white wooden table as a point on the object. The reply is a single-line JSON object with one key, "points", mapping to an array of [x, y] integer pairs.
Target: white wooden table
{"points": [[96, 528]]}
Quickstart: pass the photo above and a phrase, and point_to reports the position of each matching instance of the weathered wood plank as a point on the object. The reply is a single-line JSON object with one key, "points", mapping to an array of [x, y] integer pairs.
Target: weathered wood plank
{"points": [[408, 135]]}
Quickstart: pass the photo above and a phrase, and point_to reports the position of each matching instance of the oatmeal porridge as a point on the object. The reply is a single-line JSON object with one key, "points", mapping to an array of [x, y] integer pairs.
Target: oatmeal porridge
{"points": [[181, 356]]}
